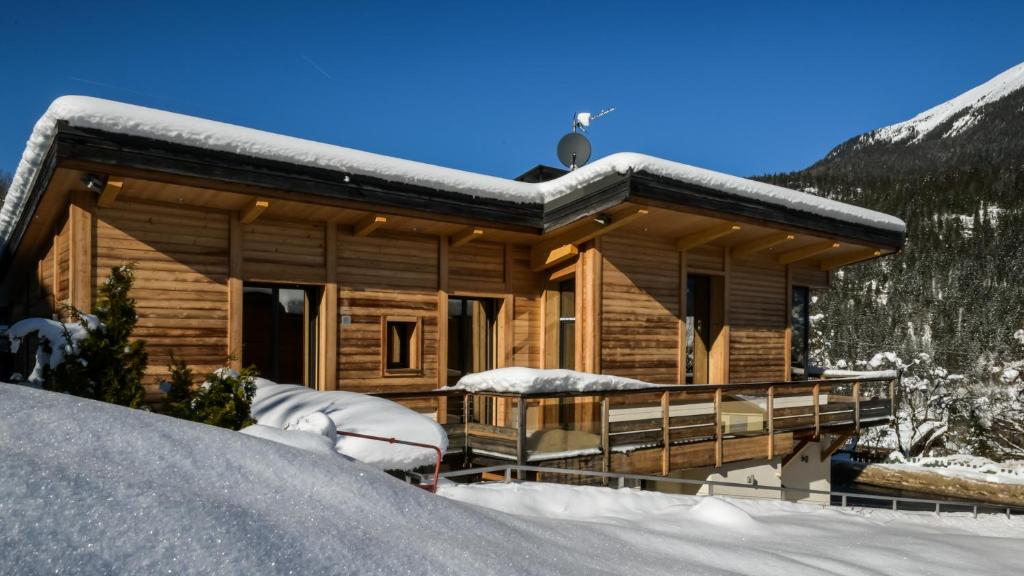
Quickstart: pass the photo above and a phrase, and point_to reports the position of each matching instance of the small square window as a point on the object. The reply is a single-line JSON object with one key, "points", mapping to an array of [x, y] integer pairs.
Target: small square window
{"points": [[401, 346]]}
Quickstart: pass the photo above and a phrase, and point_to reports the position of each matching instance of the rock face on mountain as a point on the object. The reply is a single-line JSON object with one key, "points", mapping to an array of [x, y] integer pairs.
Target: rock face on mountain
{"points": [[955, 174]]}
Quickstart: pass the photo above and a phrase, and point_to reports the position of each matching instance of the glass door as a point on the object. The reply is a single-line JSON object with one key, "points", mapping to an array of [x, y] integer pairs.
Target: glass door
{"points": [[471, 336], [279, 332]]}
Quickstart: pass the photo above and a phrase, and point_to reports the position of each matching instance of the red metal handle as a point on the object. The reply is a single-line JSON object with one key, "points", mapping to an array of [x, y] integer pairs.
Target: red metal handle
{"points": [[432, 487]]}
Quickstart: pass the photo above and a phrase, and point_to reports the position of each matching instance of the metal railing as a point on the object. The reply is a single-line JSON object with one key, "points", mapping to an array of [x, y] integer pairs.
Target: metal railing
{"points": [[843, 498], [432, 486]]}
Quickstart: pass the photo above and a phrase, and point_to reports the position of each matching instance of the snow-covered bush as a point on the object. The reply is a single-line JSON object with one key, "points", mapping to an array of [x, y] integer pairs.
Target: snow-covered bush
{"points": [[91, 356], [224, 399]]}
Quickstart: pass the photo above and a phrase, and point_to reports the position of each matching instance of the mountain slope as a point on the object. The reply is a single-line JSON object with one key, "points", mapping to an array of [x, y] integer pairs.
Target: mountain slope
{"points": [[955, 174]]}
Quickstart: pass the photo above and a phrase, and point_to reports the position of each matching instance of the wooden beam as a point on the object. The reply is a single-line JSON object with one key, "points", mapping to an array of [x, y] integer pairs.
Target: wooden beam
{"points": [[817, 410], [806, 252], [465, 237], [540, 261], [718, 427], [329, 342], [253, 210], [760, 244], [706, 235], [835, 446], [851, 258], [80, 224], [856, 407], [770, 415], [606, 455], [579, 235], [110, 192], [235, 292], [367, 225]]}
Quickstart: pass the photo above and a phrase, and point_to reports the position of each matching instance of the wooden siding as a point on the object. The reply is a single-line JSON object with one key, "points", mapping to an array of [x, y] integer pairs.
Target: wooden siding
{"points": [[283, 251], [640, 309], [757, 319], [378, 275], [706, 259], [527, 324], [181, 266], [810, 276], [476, 267]]}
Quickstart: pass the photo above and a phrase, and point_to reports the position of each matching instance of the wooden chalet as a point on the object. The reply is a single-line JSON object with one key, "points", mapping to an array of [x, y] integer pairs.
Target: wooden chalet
{"points": [[339, 269]]}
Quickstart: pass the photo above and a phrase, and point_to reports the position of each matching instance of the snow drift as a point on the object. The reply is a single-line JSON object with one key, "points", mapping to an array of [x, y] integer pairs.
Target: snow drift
{"points": [[92, 488], [526, 380], [291, 407]]}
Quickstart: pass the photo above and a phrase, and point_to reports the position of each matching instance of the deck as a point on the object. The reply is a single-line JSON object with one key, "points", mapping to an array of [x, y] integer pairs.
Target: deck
{"points": [[656, 430]]}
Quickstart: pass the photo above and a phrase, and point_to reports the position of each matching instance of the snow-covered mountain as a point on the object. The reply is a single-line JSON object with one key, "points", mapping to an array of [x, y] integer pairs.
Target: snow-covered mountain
{"points": [[964, 111]]}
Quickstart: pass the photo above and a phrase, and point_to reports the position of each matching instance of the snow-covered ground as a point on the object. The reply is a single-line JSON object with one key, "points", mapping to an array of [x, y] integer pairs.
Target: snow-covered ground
{"points": [[92, 488], [965, 466]]}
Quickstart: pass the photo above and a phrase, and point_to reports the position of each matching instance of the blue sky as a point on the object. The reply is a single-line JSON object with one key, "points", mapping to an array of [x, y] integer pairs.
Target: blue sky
{"points": [[743, 87]]}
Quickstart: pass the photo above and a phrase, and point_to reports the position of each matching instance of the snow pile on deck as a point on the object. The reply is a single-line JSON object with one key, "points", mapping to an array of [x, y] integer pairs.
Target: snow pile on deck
{"points": [[965, 466], [92, 488], [526, 380], [299, 410], [127, 119]]}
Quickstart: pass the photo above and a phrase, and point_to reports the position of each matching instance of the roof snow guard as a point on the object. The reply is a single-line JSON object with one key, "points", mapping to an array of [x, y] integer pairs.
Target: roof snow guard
{"points": [[129, 137]]}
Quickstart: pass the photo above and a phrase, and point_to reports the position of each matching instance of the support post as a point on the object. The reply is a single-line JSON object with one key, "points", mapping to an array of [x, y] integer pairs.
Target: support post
{"points": [[817, 411], [718, 427], [856, 406], [771, 422], [235, 294], [606, 458], [81, 245], [521, 456], [466, 453], [665, 443]]}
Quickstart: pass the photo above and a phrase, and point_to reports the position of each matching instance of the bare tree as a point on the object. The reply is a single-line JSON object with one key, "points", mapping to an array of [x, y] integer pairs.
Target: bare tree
{"points": [[5, 183]]}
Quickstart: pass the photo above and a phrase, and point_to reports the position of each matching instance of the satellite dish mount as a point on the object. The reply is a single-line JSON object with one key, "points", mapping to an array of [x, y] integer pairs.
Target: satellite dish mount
{"points": [[574, 148]]}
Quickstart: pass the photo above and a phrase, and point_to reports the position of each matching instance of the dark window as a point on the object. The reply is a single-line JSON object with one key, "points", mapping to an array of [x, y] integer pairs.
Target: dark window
{"points": [[801, 324], [471, 336], [567, 324], [279, 332], [401, 344], [698, 328]]}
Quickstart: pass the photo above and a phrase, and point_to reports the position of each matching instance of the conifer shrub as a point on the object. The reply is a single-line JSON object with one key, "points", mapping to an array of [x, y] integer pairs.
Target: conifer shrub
{"points": [[106, 364], [224, 399]]}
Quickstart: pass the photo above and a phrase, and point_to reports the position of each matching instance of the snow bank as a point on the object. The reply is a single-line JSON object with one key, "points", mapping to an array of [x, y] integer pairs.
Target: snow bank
{"points": [[308, 441], [714, 535], [287, 406], [86, 112], [92, 488], [525, 380]]}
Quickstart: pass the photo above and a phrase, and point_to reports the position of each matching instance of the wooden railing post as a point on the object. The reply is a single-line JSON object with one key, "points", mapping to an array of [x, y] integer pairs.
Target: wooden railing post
{"points": [[817, 411], [665, 444], [856, 406], [771, 422], [606, 457], [466, 451], [521, 455], [718, 428]]}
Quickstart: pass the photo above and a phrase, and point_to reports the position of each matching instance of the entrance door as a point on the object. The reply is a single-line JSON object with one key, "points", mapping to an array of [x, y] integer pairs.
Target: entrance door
{"points": [[698, 328], [279, 332], [471, 336]]}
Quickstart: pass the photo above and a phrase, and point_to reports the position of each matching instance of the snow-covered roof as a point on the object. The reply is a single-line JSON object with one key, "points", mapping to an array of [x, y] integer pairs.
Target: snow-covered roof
{"points": [[518, 380], [130, 120]]}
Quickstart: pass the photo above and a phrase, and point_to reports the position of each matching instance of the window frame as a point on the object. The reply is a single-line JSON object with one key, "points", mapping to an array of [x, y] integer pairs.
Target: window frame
{"points": [[415, 367]]}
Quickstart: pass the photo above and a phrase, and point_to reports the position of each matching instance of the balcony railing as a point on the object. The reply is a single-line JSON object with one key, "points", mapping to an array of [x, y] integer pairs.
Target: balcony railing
{"points": [[661, 428]]}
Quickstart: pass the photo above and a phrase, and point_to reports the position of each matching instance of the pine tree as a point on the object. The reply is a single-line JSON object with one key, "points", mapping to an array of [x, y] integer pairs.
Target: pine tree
{"points": [[109, 365]]}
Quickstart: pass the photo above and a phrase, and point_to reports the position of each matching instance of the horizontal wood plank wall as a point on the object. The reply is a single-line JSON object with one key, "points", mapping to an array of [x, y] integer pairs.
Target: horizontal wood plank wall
{"points": [[527, 324], [181, 270], [48, 277], [283, 251], [640, 309], [706, 258], [379, 275], [63, 264], [477, 267], [757, 318], [810, 276]]}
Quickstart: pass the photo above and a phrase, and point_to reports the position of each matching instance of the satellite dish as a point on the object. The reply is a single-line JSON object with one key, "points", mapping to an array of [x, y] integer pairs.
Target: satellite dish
{"points": [[574, 150]]}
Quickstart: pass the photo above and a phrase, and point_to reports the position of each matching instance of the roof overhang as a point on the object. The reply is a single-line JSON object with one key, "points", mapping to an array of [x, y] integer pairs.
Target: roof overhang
{"points": [[134, 156]]}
